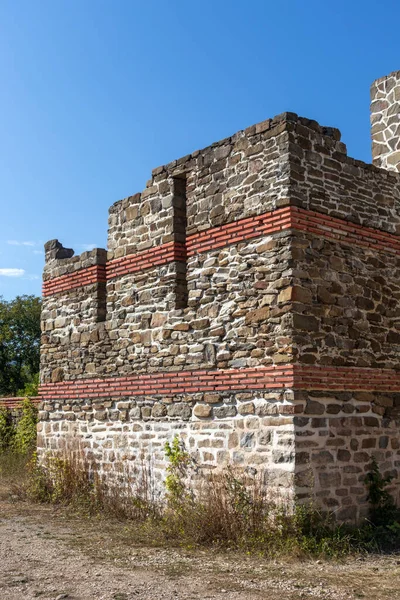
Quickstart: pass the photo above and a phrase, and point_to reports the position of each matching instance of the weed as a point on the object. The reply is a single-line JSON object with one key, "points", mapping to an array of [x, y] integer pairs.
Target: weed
{"points": [[384, 515], [7, 429], [177, 492], [24, 439], [226, 509]]}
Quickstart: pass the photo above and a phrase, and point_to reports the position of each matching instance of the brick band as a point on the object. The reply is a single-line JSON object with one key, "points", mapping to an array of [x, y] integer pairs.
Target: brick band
{"points": [[290, 217], [160, 255], [170, 383], [12, 403], [305, 377], [343, 231], [71, 281], [311, 377], [239, 231]]}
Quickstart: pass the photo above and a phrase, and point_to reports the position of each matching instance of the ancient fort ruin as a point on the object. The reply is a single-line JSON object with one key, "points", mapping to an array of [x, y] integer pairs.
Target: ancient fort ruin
{"points": [[249, 301]]}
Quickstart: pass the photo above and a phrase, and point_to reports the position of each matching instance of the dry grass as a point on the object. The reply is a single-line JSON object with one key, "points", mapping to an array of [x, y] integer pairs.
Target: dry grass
{"points": [[137, 545], [14, 474], [224, 510], [227, 510]]}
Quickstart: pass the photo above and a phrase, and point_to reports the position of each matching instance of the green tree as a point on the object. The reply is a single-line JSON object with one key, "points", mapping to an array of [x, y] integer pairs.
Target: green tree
{"points": [[19, 343]]}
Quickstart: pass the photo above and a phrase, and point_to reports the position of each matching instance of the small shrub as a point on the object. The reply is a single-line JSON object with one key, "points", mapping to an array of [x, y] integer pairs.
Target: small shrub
{"points": [[24, 439], [382, 505], [7, 429], [384, 515], [31, 388], [177, 493]]}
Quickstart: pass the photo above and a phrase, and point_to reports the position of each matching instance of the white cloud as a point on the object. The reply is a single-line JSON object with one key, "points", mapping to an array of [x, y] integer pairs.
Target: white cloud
{"points": [[38, 252], [32, 277], [86, 247], [17, 243], [12, 272]]}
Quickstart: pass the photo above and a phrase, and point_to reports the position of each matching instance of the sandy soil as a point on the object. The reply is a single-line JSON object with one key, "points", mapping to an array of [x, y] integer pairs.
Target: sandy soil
{"points": [[45, 553]]}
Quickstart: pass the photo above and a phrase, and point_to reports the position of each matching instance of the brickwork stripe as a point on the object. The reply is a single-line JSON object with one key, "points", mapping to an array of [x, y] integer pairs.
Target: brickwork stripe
{"points": [[305, 377], [86, 276], [170, 383], [290, 217], [343, 231], [12, 403], [311, 377], [160, 255]]}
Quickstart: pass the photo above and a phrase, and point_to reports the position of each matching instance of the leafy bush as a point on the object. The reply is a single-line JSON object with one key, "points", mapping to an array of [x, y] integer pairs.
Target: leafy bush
{"points": [[384, 515], [31, 388], [177, 492], [383, 508], [7, 429], [24, 439]]}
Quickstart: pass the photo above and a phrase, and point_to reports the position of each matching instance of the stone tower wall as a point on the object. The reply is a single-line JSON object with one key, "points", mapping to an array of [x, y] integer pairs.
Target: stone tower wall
{"points": [[249, 302], [214, 223], [73, 312], [385, 121]]}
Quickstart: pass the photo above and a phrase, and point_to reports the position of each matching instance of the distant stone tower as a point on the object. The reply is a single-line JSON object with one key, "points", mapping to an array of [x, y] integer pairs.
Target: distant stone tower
{"points": [[385, 121]]}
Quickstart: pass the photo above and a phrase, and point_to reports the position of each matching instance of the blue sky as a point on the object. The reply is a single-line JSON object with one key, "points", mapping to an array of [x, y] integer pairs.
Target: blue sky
{"points": [[95, 94]]}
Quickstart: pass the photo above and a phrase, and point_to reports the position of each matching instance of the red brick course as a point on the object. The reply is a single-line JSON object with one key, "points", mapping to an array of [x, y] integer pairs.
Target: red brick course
{"points": [[239, 231], [12, 403], [305, 377], [160, 255], [170, 383], [344, 231], [290, 217], [311, 377], [87, 276]]}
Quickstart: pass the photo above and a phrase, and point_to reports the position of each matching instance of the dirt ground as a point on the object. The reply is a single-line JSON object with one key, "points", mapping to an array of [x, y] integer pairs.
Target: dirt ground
{"points": [[47, 554]]}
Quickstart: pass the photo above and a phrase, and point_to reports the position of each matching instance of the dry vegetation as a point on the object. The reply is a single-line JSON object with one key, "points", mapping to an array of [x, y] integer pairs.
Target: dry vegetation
{"points": [[46, 551], [230, 541]]}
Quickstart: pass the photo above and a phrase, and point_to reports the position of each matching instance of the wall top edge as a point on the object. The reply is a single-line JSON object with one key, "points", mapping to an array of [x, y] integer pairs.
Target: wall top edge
{"points": [[272, 126], [393, 74], [58, 255]]}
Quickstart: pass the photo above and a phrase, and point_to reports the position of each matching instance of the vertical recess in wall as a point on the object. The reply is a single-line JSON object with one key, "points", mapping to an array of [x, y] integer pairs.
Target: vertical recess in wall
{"points": [[101, 291], [179, 202], [101, 302]]}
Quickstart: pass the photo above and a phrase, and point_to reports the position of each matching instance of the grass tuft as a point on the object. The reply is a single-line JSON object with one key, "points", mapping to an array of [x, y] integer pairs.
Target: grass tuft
{"points": [[229, 509]]}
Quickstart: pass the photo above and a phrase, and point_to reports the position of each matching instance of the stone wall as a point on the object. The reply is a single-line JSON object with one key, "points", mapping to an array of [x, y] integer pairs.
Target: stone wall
{"points": [[73, 312], [249, 302], [243, 430], [335, 438], [385, 121]]}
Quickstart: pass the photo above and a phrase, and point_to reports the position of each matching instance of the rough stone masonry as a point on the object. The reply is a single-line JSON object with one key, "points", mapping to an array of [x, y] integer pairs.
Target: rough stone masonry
{"points": [[249, 301]]}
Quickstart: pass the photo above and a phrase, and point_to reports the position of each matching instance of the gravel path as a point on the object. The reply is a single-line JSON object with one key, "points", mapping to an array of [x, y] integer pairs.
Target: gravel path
{"points": [[45, 555]]}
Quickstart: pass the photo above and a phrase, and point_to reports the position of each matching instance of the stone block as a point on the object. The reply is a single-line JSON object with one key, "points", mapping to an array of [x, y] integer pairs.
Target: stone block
{"points": [[202, 410]]}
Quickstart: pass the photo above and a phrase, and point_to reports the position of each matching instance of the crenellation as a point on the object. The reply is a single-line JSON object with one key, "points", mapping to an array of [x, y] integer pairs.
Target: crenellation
{"points": [[248, 302]]}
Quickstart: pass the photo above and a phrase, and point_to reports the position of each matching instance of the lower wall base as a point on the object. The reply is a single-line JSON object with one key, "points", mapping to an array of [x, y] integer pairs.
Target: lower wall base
{"points": [[308, 445], [259, 445], [337, 435]]}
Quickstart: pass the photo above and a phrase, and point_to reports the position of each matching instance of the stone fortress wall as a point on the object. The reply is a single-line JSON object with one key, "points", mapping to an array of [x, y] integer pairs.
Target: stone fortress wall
{"points": [[248, 301]]}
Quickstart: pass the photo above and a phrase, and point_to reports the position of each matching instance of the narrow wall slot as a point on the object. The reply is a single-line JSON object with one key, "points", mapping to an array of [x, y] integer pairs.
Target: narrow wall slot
{"points": [[179, 203]]}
